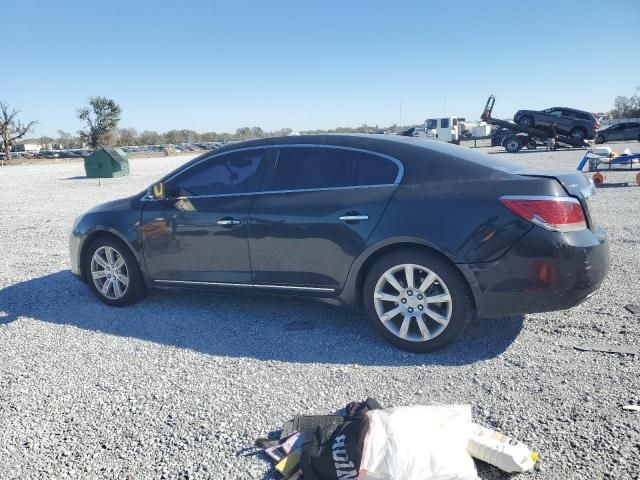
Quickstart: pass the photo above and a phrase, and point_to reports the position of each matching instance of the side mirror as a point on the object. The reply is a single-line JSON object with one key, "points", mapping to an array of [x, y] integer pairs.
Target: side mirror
{"points": [[156, 191]]}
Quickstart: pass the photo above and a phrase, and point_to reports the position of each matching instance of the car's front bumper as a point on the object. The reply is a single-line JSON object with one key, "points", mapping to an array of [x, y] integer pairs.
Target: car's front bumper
{"points": [[544, 271]]}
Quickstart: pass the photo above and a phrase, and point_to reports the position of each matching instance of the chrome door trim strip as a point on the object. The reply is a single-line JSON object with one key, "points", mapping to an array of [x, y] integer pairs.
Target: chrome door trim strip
{"points": [[291, 287], [193, 282], [246, 285]]}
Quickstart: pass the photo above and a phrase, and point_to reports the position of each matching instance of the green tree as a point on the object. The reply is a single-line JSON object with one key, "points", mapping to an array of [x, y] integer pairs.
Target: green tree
{"points": [[256, 132], [101, 119], [128, 136], [242, 133], [149, 137], [11, 129]]}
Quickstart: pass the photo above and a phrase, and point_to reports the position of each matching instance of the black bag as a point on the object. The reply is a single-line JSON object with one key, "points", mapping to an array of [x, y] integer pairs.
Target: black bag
{"points": [[334, 452]]}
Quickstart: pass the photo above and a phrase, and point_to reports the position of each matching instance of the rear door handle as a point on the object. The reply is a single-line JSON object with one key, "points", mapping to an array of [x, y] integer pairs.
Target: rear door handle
{"points": [[228, 222], [354, 218]]}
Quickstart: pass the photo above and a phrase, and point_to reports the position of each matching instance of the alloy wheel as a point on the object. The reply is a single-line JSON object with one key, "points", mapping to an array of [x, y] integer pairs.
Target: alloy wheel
{"points": [[412, 302], [109, 272], [526, 122], [578, 134]]}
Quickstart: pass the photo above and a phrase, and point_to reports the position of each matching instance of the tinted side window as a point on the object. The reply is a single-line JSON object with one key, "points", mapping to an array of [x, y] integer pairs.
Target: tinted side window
{"points": [[235, 172], [444, 123], [313, 167], [375, 170]]}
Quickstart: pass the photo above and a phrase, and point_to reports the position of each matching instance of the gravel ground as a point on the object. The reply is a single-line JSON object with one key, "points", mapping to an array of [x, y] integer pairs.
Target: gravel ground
{"points": [[177, 385]]}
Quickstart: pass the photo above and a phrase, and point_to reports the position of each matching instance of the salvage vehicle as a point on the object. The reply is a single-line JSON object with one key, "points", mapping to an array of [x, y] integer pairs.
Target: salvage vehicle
{"points": [[620, 131], [521, 136], [576, 124], [426, 236]]}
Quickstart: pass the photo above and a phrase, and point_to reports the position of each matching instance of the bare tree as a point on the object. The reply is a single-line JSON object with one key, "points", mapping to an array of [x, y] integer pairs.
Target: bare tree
{"points": [[101, 119], [11, 129]]}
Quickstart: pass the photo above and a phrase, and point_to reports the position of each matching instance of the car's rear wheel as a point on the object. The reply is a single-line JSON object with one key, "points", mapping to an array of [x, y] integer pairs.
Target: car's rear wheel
{"points": [[513, 144], [416, 300], [526, 121], [600, 139], [578, 134], [112, 272]]}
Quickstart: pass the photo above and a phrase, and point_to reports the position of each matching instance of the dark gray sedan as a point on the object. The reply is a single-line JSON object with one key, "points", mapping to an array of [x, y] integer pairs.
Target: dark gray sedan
{"points": [[425, 236], [620, 131]]}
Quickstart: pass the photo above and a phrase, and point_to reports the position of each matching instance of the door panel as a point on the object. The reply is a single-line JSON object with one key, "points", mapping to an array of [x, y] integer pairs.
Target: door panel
{"points": [[199, 234], [182, 239], [298, 238], [616, 132], [632, 131], [566, 121], [318, 207]]}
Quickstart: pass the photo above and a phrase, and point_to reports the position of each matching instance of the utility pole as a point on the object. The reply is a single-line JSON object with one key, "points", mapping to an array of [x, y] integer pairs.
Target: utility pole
{"points": [[444, 106]]}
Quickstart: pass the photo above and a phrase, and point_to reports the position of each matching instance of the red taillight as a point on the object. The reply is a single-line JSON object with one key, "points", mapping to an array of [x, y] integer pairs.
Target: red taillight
{"points": [[562, 214], [597, 124]]}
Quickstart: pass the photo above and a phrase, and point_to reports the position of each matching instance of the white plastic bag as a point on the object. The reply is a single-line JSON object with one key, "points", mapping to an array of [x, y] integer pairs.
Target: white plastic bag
{"points": [[418, 443]]}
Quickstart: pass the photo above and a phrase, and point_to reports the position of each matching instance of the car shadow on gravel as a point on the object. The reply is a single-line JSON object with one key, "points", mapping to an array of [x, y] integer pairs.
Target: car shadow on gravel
{"points": [[262, 327]]}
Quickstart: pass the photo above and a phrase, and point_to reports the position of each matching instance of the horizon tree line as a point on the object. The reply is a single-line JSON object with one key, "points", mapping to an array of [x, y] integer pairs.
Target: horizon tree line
{"points": [[102, 117]]}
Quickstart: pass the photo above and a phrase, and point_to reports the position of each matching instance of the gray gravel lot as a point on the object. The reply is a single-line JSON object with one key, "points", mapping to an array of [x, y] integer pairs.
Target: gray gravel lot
{"points": [[177, 385]]}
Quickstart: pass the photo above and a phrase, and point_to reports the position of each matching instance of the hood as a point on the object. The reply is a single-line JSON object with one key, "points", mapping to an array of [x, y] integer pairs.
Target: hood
{"points": [[116, 205]]}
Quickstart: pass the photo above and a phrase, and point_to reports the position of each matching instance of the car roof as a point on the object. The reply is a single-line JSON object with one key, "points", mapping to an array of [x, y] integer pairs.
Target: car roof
{"points": [[411, 151], [573, 110]]}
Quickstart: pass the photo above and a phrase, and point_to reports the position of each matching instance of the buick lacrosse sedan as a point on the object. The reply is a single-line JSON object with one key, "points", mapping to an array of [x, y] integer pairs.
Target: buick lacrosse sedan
{"points": [[425, 236]]}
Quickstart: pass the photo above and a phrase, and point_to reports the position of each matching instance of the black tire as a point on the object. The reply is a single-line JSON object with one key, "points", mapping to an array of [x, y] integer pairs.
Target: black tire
{"points": [[136, 288], [578, 134], [532, 145], [526, 121], [600, 139], [512, 144], [461, 306]]}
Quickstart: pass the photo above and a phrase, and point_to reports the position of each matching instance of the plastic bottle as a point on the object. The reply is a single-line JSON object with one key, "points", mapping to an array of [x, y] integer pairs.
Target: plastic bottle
{"points": [[504, 452]]}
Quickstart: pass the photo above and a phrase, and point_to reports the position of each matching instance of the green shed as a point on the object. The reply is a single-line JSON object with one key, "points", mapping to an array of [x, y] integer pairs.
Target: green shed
{"points": [[107, 163]]}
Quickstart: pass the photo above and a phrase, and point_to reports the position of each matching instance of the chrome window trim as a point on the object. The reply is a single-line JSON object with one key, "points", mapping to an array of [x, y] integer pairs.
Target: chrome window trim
{"points": [[302, 190], [396, 182], [246, 285]]}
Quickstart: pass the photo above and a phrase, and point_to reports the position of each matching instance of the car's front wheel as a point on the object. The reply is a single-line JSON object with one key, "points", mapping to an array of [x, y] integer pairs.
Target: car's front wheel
{"points": [[112, 272], [416, 300], [600, 139]]}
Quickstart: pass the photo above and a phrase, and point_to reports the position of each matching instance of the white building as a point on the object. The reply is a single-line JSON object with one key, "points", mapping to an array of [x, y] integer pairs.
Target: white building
{"points": [[26, 147]]}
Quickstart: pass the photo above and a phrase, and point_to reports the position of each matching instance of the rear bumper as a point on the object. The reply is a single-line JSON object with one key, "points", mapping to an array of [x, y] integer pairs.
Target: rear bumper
{"points": [[545, 271]]}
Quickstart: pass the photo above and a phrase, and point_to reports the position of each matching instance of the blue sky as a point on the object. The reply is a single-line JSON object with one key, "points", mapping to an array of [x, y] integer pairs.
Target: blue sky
{"points": [[217, 66]]}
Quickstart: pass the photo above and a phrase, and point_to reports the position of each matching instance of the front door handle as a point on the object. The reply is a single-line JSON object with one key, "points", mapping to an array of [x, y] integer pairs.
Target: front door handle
{"points": [[354, 218], [228, 222]]}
